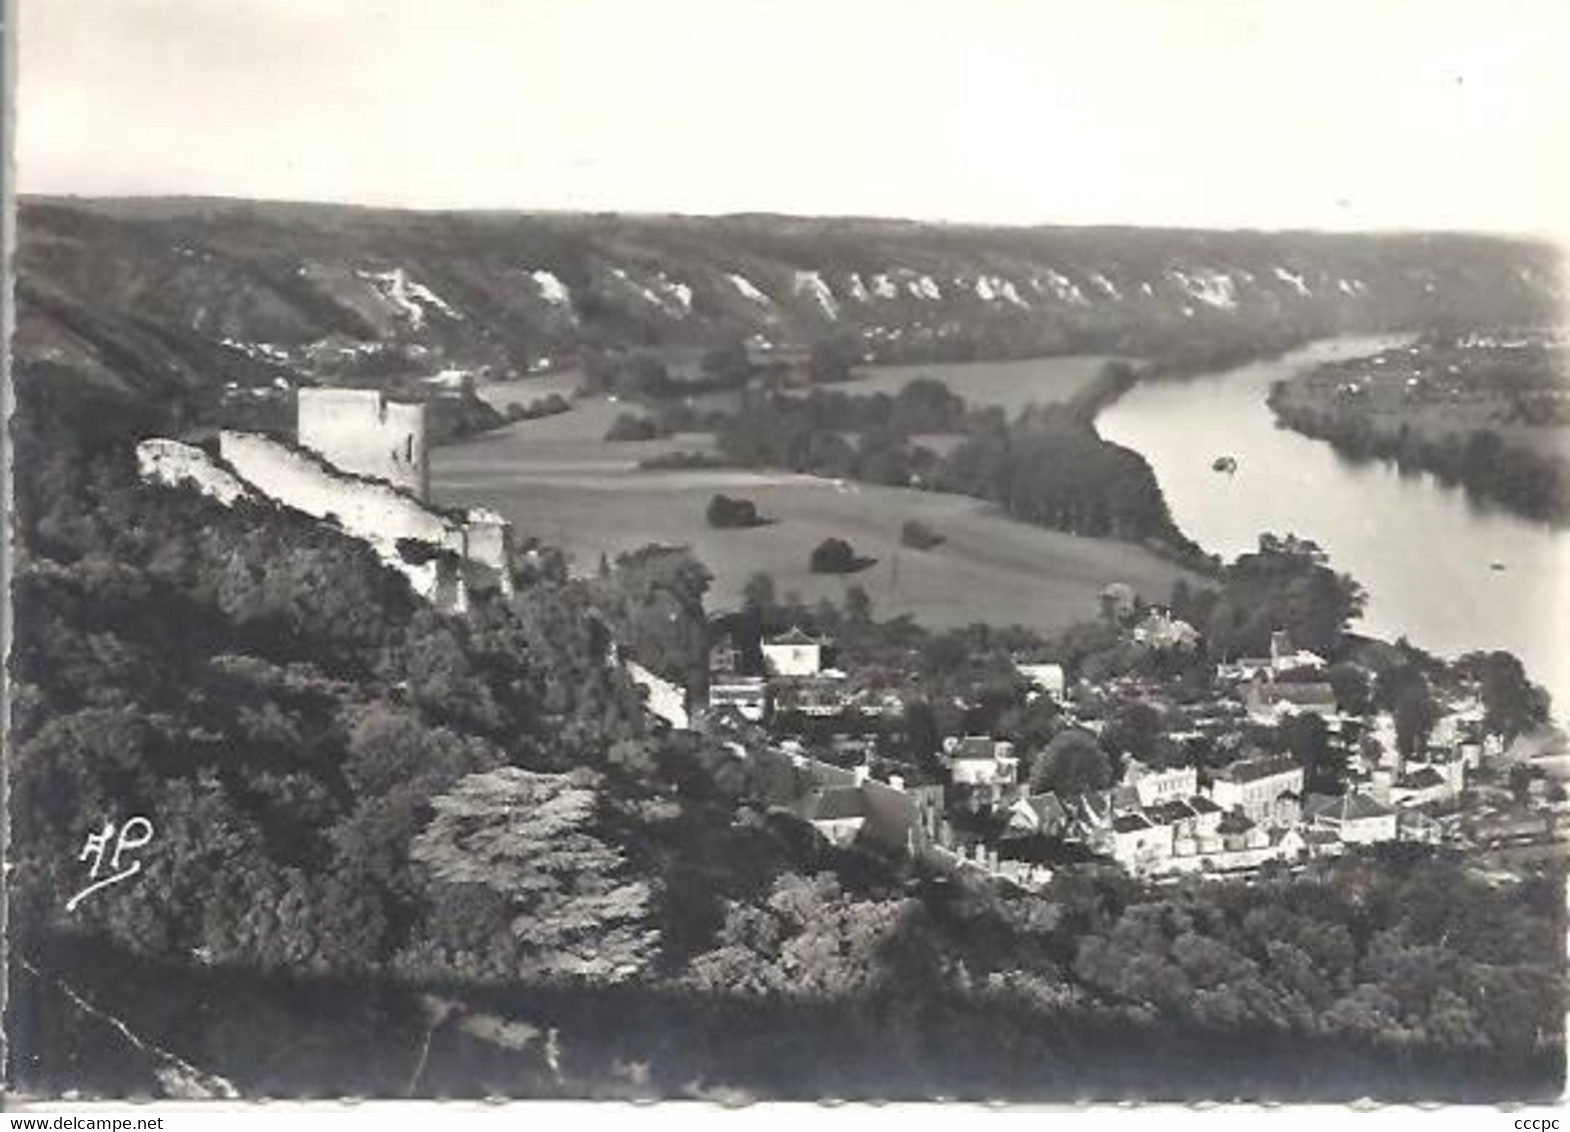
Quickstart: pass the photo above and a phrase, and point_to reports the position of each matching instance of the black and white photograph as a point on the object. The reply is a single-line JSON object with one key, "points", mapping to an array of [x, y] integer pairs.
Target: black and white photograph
{"points": [[747, 551]]}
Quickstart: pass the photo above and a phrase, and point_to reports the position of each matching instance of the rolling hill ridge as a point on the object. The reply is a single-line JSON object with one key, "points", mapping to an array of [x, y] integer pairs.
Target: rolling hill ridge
{"points": [[163, 296]]}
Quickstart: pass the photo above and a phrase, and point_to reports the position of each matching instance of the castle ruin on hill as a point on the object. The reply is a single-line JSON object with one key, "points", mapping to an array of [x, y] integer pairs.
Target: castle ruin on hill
{"points": [[361, 463], [362, 432]]}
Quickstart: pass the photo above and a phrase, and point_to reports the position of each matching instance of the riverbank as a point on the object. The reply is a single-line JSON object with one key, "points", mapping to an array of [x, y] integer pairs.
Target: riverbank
{"points": [[1425, 553], [1488, 415]]}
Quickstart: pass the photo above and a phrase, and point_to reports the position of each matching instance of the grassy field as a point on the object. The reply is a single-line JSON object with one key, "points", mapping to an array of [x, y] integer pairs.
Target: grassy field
{"points": [[557, 480], [1011, 385]]}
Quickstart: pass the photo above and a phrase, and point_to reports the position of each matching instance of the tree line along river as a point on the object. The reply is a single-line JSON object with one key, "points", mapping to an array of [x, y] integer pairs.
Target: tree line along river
{"points": [[1447, 573]]}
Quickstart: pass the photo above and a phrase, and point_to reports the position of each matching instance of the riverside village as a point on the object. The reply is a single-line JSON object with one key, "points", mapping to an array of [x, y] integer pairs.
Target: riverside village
{"points": [[739, 554], [1132, 740]]}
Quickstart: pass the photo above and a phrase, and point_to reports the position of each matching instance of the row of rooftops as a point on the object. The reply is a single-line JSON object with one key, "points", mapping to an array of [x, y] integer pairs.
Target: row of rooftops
{"points": [[1323, 809], [1175, 811]]}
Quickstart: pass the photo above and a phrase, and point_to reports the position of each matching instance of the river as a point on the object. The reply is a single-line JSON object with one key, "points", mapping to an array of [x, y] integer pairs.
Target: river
{"points": [[1422, 550]]}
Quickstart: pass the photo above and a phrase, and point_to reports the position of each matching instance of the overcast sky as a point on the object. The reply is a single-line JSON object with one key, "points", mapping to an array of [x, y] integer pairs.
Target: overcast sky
{"points": [[1234, 113]]}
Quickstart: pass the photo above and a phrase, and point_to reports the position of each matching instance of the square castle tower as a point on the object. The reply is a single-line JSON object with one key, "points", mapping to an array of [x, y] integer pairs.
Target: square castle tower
{"points": [[362, 432]]}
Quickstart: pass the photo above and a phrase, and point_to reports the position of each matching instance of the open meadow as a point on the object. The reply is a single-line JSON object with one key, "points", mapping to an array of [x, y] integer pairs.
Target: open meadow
{"points": [[559, 481], [1010, 385]]}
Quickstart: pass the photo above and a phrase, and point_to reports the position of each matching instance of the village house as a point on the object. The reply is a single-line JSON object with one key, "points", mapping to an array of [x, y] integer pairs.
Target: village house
{"points": [[1256, 787], [1238, 832], [1448, 762], [882, 703], [1047, 679], [1040, 814], [977, 760], [1243, 847], [1420, 787], [1322, 842], [1137, 843], [987, 767], [747, 695], [1195, 825], [1285, 658], [1462, 729], [1090, 815], [1244, 669], [1355, 819], [847, 803], [1188, 817], [1160, 630], [1415, 825], [1270, 702], [1156, 786], [795, 653], [813, 696], [838, 813]]}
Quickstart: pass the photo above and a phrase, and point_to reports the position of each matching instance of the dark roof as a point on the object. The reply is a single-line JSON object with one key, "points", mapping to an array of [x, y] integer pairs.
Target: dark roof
{"points": [[1316, 804], [1047, 807], [835, 804], [1235, 823], [1423, 779], [1252, 770], [1346, 807], [1203, 805], [1129, 823], [1363, 806], [1095, 805], [1168, 812]]}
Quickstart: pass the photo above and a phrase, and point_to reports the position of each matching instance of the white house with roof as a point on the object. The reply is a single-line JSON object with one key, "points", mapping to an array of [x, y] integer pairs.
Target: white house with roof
{"points": [[1255, 786], [1160, 630], [1038, 813], [1285, 658], [1047, 678], [1196, 825], [1238, 832], [1421, 786], [1244, 669], [1138, 844], [793, 653], [839, 813], [1156, 786], [1356, 819], [1271, 701], [977, 760]]}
